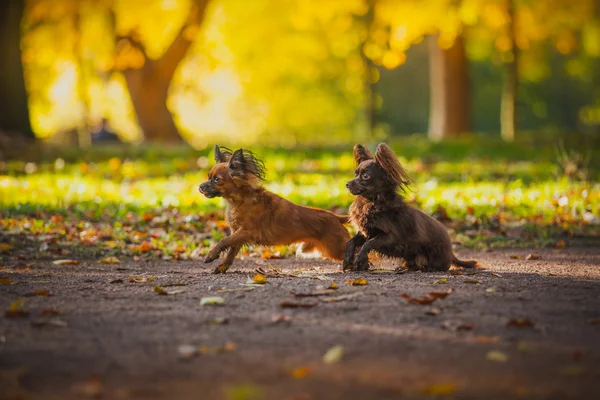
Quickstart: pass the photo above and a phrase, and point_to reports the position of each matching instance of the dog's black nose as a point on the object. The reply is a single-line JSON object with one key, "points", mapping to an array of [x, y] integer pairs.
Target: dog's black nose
{"points": [[347, 185], [201, 188]]}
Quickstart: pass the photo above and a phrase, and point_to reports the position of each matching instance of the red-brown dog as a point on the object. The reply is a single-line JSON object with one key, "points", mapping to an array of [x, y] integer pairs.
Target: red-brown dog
{"points": [[257, 216]]}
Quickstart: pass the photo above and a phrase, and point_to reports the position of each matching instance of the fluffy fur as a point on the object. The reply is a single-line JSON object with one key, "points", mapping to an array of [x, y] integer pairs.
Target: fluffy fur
{"points": [[257, 216], [386, 224]]}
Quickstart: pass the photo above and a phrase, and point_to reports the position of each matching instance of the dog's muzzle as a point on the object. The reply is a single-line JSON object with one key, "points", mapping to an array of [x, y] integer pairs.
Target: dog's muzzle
{"points": [[206, 190]]}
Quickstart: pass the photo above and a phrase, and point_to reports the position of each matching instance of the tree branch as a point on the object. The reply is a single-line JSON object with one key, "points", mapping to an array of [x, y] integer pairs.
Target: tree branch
{"points": [[179, 47]]}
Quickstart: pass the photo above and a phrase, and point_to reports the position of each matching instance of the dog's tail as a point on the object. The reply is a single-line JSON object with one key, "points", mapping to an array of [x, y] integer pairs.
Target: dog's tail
{"points": [[465, 264], [344, 219]]}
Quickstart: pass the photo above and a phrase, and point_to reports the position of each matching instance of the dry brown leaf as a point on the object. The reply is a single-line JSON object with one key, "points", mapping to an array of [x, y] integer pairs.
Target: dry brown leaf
{"points": [[301, 372], [40, 292], [456, 326], [6, 281], [487, 339], [532, 257], [520, 323], [290, 304], [422, 300], [440, 295], [433, 311], [280, 318], [116, 281], [66, 262]]}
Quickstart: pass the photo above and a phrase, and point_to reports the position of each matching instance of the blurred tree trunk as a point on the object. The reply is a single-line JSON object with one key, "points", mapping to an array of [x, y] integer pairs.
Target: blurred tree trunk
{"points": [[449, 90], [14, 111], [370, 86], [149, 85], [508, 107]]}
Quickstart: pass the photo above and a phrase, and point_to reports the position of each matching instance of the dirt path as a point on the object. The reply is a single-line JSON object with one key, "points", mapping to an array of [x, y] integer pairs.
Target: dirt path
{"points": [[121, 339]]}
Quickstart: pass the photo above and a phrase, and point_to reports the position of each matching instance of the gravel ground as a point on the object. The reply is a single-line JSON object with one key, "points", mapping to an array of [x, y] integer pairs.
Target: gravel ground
{"points": [[116, 339]]}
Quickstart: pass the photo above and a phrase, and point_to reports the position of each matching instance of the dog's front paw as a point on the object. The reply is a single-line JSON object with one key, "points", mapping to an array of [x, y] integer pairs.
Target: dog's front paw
{"points": [[211, 257], [361, 264], [347, 265], [221, 269]]}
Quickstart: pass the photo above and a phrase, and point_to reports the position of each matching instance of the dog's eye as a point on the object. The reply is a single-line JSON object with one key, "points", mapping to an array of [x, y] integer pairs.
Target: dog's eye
{"points": [[365, 176], [216, 179]]}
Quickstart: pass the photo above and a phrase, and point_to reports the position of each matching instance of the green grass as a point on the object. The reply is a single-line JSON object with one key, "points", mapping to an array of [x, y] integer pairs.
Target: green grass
{"points": [[505, 198]]}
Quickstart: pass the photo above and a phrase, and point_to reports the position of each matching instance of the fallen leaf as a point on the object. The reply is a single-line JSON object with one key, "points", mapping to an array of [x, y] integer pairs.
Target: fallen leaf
{"points": [[16, 310], [280, 318], [520, 323], [301, 372], [456, 326], [218, 321], [227, 347], [532, 257], [244, 289], [456, 272], [472, 281], [5, 247], [159, 290], [21, 266], [357, 282], [333, 355], [496, 356], [110, 260], [90, 388], [323, 278], [40, 292], [491, 290], [560, 244], [440, 281], [440, 389], [487, 339], [440, 295], [516, 257], [116, 281], [65, 262], [187, 351], [323, 292], [341, 297], [422, 300], [6, 281], [497, 275], [289, 304], [333, 286], [433, 311], [140, 279], [215, 300], [259, 279]]}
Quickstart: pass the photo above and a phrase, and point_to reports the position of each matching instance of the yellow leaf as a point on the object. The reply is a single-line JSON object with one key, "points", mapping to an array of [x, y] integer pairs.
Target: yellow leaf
{"points": [[211, 301], [497, 356], [260, 279], [41, 292], [440, 389], [440, 281], [332, 286], [110, 260], [6, 281], [159, 290], [333, 355], [65, 262], [356, 282], [5, 246]]}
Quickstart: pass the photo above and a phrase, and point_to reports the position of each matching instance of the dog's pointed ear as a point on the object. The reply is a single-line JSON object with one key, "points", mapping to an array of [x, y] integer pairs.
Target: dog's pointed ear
{"points": [[237, 163], [385, 157], [244, 162], [361, 153], [222, 154]]}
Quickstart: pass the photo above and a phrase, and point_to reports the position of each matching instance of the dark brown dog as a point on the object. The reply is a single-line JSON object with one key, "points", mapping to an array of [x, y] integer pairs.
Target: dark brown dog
{"points": [[388, 225], [257, 216]]}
